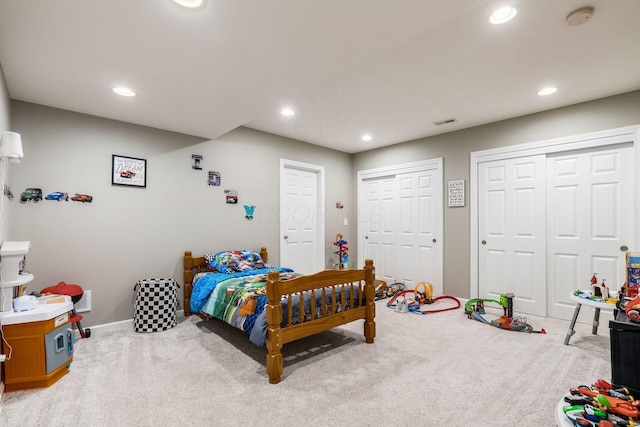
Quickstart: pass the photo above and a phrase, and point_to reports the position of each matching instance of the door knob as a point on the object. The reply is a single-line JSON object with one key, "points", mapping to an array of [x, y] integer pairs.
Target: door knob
{"points": [[624, 248], [484, 242], [366, 237], [286, 237], [434, 240]]}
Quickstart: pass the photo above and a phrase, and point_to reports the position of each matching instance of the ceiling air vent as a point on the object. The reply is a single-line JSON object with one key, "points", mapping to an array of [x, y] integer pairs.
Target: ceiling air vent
{"points": [[445, 122]]}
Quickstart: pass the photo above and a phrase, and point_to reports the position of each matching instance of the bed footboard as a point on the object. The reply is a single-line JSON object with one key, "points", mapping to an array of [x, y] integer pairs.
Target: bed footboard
{"points": [[336, 297]]}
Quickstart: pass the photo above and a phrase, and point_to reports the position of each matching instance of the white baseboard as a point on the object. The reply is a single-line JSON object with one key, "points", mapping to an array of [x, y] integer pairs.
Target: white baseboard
{"points": [[118, 326]]}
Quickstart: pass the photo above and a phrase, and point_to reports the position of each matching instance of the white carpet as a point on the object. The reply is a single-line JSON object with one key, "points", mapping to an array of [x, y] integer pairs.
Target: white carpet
{"points": [[435, 370]]}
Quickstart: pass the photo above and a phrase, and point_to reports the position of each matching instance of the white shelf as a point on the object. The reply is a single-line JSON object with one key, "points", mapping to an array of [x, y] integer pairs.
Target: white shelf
{"points": [[40, 313], [22, 279]]}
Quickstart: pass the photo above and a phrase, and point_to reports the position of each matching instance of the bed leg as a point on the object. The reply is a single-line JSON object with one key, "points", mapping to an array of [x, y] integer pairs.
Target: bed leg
{"points": [[274, 365], [369, 295], [273, 311], [187, 299]]}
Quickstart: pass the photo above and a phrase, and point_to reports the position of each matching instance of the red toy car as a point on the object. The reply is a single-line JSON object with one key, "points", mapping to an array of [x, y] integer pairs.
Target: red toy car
{"points": [[82, 198], [633, 309]]}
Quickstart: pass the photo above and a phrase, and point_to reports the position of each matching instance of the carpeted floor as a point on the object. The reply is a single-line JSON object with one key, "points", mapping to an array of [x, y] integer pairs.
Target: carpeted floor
{"points": [[436, 370]]}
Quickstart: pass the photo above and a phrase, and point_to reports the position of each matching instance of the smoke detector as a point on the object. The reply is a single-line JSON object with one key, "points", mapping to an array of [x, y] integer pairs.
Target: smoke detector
{"points": [[580, 16]]}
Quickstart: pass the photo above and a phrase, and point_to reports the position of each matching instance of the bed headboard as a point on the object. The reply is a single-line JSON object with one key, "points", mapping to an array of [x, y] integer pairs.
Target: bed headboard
{"points": [[192, 266]]}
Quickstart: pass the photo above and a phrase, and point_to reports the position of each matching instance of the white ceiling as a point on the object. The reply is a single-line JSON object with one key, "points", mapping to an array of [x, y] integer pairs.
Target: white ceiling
{"points": [[389, 68]]}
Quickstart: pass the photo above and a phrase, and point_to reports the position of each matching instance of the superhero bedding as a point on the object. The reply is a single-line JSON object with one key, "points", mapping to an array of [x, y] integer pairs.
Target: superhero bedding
{"points": [[235, 292]]}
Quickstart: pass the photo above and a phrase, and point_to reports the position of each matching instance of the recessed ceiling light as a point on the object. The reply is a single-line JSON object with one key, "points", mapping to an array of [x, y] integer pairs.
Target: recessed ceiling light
{"points": [[191, 4], [287, 112], [367, 137], [124, 91], [502, 15], [547, 91]]}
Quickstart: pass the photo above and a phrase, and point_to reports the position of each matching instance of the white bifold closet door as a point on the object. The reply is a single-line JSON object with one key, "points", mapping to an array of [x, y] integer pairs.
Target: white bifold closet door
{"points": [[590, 221], [403, 227], [548, 222]]}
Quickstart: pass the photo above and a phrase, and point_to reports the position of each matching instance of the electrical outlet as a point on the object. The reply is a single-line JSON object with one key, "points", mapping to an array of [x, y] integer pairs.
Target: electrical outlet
{"points": [[85, 303], [2, 358]]}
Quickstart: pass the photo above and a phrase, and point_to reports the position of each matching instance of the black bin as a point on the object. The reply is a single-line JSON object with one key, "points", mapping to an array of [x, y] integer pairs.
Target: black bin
{"points": [[625, 348]]}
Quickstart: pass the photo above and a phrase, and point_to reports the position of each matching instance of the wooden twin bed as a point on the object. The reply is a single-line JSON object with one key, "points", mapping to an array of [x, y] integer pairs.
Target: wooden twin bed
{"points": [[302, 306]]}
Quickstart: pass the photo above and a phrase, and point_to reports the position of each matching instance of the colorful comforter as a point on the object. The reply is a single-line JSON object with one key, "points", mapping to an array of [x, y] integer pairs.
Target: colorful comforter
{"points": [[239, 300]]}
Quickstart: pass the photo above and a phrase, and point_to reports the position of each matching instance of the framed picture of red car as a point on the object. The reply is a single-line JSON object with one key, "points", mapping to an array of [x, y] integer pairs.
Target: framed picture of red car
{"points": [[128, 171]]}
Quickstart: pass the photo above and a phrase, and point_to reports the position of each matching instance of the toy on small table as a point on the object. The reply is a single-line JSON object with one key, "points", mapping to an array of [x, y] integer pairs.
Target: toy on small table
{"points": [[343, 256]]}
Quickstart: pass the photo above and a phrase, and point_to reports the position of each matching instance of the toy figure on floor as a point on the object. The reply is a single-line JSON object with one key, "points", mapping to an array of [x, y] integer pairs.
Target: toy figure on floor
{"points": [[601, 404], [474, 309]]}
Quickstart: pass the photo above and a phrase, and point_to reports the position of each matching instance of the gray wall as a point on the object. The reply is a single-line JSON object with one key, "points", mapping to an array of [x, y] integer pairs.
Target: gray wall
{"points": [[127, 233], [455, 148], [5, 168], [131, 233], [4, 125]]}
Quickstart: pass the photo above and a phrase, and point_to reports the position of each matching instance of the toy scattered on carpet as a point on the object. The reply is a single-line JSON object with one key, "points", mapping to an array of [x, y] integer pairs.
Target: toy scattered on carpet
{"points": [[422, 295], [385, 291], [602, 404], [474, 309]]}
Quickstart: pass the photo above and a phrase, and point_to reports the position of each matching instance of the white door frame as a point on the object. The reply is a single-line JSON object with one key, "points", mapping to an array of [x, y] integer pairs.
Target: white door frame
{"points": [[320, 217], [424, 165], [575, 142]]}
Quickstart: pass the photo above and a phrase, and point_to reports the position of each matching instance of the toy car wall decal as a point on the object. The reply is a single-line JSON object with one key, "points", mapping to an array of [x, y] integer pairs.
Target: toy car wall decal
{"points": [[127, 174], [82, 198], [57, 195], [34, 194]]}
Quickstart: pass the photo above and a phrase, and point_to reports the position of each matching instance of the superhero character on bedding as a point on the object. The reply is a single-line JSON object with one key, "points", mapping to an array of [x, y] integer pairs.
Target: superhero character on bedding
{"points": [[234, 261]]}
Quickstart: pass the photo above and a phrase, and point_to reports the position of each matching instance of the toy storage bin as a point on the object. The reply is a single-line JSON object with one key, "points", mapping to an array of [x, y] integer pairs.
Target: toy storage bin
{"points": [[155, 305], [625, 348]]}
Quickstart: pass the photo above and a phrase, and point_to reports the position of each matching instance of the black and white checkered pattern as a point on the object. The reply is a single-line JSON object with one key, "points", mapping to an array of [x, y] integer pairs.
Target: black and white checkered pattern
{"points": [[155, 306]]}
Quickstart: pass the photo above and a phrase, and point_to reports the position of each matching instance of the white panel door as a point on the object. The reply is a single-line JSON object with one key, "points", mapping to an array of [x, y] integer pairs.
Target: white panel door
{"points": [[403, 227], [590, 218], [301, 216], [417, 230], [380, 238], [512, 231]]}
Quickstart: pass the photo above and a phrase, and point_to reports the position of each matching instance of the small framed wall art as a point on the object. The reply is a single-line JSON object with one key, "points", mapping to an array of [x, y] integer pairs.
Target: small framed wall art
{"points": [[129, 171], [456, 193]]}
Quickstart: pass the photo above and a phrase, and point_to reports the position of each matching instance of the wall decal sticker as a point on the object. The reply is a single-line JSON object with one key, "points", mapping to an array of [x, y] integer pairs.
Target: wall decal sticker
{"points": [[249, 210], [214, 178], [232, 196], [197, 158]]}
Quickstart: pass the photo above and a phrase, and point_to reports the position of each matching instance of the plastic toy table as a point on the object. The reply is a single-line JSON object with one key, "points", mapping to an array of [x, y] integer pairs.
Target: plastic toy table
{"points": [[598, 305]]}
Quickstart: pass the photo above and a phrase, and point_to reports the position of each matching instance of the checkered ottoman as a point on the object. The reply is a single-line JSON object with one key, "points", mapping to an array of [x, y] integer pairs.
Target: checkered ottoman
{"points": [[155, 306]]}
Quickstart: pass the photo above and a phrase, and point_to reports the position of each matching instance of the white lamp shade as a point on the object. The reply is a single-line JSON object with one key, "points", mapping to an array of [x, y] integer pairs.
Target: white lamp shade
{"points": [[11, 145]]}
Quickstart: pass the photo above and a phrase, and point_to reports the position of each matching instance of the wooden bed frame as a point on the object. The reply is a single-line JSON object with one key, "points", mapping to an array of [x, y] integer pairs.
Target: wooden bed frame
{"points": [[325, 283]]}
